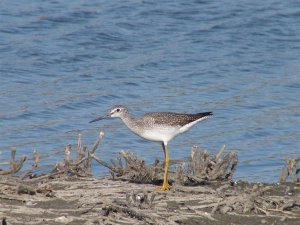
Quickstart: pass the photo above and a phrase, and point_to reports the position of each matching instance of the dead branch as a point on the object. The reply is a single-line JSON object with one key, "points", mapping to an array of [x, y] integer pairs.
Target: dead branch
{"points": [[25, 189], [95, 146], [203, 167], [291, 169], [105, 164], [34, 166], [67, 156], [140, 200], [220, 153], [137, 170], [80, 151], [46, 176], [290, 204], [127, 211], [14, 165]]}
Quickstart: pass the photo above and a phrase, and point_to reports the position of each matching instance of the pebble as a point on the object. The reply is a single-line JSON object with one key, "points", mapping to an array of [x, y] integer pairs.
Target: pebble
{"points": [[263, 221], [63, 219]]}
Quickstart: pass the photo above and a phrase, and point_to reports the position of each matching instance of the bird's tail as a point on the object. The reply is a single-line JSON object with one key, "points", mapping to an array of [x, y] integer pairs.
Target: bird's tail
{"points": [[205, 114]]}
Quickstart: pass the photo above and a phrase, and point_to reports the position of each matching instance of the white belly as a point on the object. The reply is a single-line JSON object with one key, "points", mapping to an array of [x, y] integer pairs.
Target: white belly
{"points": [[164, 134]]}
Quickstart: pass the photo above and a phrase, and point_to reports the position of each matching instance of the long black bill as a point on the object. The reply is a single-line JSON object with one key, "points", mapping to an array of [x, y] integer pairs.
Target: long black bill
{"points": [[99, 118]]}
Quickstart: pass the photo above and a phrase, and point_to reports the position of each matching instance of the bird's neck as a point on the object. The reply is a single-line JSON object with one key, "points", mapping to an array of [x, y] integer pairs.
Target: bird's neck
{"points": [[128, 120], [131, 123]]}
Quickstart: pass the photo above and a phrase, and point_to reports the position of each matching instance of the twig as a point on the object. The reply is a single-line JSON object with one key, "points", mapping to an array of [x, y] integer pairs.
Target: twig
{"points": [[46, 176], [91, 208], [290, 169], [220, 153], [217, 205], [2, 196], [14, 166], [290, 205], [130, 212], [80, 152], [281, 211], [103, 163], [33, 167], [26, 189], [67, 156], [95, 146], [260, 209]]}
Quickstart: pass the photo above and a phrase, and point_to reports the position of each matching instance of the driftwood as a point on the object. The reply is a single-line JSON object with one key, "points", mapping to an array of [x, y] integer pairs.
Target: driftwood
{"points": [[34, 166], [203, 167], [200, 168], [81, 166], [291, 169], [14, 165], [128, 212]]}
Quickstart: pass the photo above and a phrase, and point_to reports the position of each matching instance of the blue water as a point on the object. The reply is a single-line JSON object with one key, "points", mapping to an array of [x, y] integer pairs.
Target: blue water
{"points": [[63, 63]]}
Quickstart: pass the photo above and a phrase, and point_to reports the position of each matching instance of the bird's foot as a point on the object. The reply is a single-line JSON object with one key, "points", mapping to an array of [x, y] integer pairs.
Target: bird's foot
{"points": [[164, 187]]}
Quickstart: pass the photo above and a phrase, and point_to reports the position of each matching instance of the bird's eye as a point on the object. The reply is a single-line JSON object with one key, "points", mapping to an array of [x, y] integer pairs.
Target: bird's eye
{"points": [[118, 110]]}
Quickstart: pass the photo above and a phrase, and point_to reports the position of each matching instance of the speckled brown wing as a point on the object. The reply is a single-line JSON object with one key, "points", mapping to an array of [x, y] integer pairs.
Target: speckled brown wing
{"points": [[172, 119]]}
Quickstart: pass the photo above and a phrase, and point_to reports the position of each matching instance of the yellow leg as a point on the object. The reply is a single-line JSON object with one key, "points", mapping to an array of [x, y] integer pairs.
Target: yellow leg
{"points": [[165, 185]]}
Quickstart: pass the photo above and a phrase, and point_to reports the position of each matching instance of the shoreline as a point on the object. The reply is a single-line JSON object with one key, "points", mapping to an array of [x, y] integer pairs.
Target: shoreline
{"points": [[70, 200], [202, 192]]}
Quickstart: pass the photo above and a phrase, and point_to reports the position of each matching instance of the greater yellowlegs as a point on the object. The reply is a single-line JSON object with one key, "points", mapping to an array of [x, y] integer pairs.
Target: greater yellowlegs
{"points": [[157, 126]]}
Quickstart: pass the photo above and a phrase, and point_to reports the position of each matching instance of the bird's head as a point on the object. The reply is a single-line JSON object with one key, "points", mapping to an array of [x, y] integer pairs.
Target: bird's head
{"points": [[116, 111]]}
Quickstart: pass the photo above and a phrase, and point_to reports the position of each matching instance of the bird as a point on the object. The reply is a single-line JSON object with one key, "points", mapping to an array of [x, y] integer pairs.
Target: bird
{"points": [[157, 126]]}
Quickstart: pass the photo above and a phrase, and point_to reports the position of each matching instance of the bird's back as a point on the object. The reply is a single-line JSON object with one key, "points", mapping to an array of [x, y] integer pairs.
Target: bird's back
{"points": [[175, 119]]}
